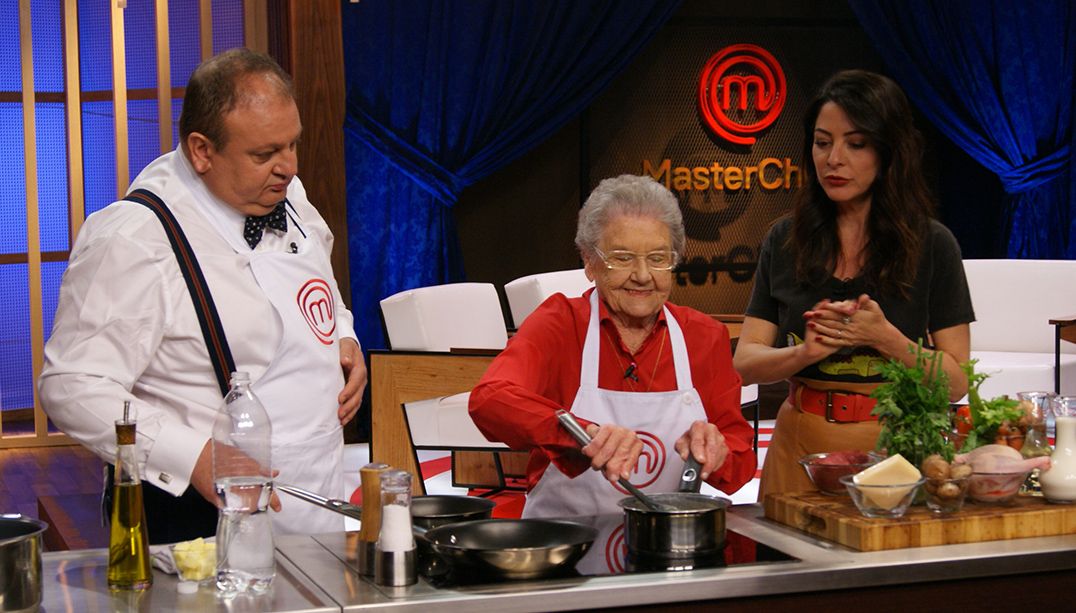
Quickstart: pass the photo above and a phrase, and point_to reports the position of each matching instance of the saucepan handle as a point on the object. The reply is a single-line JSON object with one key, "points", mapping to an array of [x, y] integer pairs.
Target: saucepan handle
{"points": [[690, 479]]}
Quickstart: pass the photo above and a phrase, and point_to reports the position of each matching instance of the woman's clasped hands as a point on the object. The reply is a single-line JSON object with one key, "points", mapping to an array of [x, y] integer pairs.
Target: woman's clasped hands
{"points": [[848, 323]]}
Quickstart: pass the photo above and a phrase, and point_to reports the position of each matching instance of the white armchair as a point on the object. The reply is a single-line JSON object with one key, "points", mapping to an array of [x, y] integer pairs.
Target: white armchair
{"points": [[440, 317], [526, 293], [1016, 301]]}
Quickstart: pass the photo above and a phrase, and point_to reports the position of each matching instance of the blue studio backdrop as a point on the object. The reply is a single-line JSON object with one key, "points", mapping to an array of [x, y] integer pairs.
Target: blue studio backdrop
{"points": [[997, 78], [441, 93]]}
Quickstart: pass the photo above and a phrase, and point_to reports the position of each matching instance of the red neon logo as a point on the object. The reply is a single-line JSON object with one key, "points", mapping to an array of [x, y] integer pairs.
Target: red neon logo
{"points": [[756, 70]]}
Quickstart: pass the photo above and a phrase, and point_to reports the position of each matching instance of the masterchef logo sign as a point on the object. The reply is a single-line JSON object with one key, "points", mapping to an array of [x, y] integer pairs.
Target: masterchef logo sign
{"points": [[741, 92], [316, 304]]}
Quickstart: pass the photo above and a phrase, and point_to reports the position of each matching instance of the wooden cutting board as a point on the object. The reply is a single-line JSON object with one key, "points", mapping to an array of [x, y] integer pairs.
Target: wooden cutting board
{"points": [[837, 519]]}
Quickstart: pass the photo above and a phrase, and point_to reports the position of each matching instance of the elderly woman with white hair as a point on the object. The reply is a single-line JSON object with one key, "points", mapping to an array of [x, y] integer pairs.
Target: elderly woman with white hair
{"points": [[650, 381]]}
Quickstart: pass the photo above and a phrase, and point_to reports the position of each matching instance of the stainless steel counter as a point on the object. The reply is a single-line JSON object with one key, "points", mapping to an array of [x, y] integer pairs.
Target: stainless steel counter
{"points": [[76, 582], [822, 566], [313, 575]]}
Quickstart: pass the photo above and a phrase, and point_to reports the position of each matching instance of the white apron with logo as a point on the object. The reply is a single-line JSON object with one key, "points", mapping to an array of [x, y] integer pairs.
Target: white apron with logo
{"points": [[300, 387], [659, 419]]}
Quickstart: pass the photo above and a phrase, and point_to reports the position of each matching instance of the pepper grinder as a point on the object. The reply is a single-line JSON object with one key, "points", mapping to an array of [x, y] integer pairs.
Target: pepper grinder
{"points": [[370, 482], [394, 564]]}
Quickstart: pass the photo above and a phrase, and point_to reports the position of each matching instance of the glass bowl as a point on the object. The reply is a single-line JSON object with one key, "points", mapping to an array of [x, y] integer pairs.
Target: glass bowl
{"points": [[195, 561], [826, 469], [884, 501], [996, 488], [946, 495]]}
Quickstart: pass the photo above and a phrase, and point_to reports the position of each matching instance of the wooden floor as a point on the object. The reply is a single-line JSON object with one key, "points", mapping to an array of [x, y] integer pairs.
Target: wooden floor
{"points": [[27, 473]]}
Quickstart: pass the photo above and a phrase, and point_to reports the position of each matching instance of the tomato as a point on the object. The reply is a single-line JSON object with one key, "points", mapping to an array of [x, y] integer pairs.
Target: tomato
{"points": [[963, 420]]}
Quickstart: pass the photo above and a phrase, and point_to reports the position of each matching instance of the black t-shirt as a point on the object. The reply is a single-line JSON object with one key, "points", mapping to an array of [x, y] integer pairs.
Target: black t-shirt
{"points": [[939, 299]]}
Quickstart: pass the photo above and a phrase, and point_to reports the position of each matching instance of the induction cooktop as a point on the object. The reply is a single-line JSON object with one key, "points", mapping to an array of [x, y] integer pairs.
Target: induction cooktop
{"points": [[609, 556]]}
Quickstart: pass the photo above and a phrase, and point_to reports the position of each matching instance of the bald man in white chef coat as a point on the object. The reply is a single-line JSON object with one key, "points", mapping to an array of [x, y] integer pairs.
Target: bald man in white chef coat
{"points": [[126, 327]]}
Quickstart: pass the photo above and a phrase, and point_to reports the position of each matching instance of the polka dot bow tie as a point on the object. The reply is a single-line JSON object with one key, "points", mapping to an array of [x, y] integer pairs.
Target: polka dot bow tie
{"points": [[277, 220]]}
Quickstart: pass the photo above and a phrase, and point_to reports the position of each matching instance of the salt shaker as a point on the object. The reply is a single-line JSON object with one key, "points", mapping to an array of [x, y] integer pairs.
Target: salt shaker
{"points": [[394, 562]]}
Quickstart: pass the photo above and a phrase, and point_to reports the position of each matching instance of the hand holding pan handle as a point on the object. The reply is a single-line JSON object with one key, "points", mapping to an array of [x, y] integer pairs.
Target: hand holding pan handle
{"points": [[690, 479], [580, 435]]}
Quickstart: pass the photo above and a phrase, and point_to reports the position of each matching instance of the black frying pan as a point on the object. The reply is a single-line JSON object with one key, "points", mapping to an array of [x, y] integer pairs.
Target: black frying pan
{"points": [[511, 548]]}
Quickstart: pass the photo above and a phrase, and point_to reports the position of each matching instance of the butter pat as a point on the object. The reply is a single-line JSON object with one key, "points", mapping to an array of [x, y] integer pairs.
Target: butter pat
{"points": [[195, 560], [894, 470]]}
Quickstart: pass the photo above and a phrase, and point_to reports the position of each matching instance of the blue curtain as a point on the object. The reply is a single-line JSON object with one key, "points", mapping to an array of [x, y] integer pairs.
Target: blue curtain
{"points": [[997, 78], [441, 93]]}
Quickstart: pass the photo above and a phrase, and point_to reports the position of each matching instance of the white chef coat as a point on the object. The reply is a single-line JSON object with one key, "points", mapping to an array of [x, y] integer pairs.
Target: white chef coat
{"points": [[125, 328]]}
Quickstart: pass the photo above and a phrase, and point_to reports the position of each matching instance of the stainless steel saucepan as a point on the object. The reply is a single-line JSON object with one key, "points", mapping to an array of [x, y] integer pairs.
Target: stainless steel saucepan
{"points": [[20, 562], [677, 525]]}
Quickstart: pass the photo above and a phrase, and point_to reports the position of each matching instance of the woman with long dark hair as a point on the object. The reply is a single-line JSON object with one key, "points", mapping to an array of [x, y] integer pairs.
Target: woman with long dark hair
{"points": [[857, 274]]}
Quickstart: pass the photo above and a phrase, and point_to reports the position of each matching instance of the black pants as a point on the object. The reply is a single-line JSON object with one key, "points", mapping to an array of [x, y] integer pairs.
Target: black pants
{"points": [[169, 519]]}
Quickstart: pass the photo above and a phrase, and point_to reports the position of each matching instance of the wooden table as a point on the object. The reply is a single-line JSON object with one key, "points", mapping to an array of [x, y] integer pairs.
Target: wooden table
{"points": [[397, 377]]}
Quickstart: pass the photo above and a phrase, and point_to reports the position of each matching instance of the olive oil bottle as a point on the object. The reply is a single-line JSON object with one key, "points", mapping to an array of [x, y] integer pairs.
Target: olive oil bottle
{"points": [[128, 543]]}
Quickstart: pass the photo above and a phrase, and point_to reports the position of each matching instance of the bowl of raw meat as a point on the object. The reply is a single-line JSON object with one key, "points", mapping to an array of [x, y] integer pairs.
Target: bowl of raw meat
{"points": [[826, 469]]}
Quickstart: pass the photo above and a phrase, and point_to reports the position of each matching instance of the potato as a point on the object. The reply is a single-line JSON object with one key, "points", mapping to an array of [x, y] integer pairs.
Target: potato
{"points": [[948, 490], [960, 471], [936, 468]]}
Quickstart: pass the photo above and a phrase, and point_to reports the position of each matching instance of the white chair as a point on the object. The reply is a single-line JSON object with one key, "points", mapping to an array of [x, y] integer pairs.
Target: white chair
{"points": [[1012, 337], [526, 293], [441, 317]]}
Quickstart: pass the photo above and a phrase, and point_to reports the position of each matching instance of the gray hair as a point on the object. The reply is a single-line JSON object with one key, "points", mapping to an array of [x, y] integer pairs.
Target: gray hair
{"points": [[628, 195], [216, 88]]}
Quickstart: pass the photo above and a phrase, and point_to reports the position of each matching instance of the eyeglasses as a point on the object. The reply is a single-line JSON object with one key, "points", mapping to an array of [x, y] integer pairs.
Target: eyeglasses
{"points": [[620, 259]]}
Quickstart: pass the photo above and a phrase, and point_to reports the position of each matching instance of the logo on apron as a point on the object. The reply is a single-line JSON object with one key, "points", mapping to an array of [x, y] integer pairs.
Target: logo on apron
{"points": [[651, 462], [315, 300], [616, 550]]}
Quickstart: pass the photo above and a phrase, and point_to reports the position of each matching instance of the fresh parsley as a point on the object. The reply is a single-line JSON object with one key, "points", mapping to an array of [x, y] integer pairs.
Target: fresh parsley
{"points": [[913, 407], [986, 415]]}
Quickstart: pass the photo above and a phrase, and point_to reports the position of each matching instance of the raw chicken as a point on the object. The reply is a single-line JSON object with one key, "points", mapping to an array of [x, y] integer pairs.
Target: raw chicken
{"points": [[1000, 459]]}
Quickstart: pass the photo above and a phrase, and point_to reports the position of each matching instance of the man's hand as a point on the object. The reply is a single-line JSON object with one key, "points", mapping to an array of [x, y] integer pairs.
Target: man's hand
{"points": [[354, 380], [202, 475]]}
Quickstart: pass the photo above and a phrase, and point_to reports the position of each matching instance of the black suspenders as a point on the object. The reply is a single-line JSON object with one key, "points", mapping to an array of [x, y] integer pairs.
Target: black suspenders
{"points": [[169, 518], [212, 331]]}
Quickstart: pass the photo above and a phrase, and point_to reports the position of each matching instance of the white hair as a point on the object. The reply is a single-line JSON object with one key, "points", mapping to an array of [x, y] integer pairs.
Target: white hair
{"points": [[628, 195]]}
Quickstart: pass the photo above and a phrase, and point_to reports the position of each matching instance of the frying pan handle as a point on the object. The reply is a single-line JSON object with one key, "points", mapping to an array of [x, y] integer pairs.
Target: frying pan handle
{"points": [[691, 478]]}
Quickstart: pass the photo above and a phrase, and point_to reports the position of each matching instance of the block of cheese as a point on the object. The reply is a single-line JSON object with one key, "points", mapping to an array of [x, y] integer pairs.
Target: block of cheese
{"points": [[894, 470]]}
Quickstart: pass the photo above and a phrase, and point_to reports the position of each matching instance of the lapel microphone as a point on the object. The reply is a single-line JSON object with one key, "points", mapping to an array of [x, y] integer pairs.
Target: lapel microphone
{"points": [[630, 373]]}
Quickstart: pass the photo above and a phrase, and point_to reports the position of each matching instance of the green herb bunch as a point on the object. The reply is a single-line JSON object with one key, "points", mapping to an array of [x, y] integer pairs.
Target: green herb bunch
{"points": [[913, 408], [986, 415]]}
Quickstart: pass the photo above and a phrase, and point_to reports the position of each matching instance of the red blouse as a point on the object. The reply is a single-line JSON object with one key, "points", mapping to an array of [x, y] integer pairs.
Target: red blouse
{"points": [[538, 373]]}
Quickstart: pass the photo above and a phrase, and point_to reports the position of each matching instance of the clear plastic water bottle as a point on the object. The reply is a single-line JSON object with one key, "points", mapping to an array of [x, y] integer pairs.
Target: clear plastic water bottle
{"points": [[242, 476]]}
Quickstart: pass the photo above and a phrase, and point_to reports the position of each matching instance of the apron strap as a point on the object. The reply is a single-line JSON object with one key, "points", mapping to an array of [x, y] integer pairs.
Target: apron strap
{"points": [[212, 330], [679, 352], [588, 376]]}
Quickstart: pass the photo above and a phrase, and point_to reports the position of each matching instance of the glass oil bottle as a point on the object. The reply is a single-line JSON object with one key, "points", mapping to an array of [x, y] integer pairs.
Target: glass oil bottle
{"points": [[128, 543]]}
